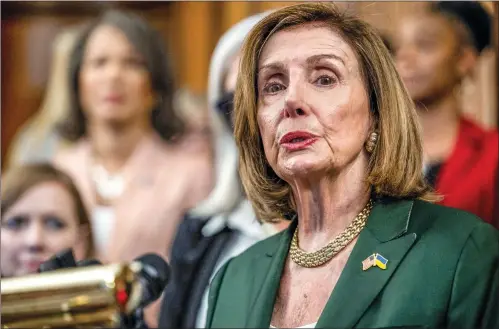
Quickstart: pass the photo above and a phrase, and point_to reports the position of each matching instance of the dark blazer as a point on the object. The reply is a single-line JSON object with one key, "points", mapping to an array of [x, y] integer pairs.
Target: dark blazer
{"points": [[192, 261], [442, 272]]}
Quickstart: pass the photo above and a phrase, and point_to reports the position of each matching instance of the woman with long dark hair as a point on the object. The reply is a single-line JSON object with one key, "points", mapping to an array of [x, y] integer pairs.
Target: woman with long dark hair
{"points": [[136, 178]]}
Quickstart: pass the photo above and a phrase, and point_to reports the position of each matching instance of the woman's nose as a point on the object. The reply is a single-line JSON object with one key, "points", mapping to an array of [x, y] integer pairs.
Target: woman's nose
{"points": [[404, 57], [295, 111], [295, 103], [113, 72], [35, 237]]}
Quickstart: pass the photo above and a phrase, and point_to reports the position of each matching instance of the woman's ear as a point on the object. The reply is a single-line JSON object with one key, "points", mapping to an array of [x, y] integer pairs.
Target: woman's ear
{"points": [[82, 243], [467, 62]]}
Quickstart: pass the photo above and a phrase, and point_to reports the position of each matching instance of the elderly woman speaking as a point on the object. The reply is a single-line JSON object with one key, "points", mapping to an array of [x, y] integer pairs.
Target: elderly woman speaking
{"points": [[329, 136]]}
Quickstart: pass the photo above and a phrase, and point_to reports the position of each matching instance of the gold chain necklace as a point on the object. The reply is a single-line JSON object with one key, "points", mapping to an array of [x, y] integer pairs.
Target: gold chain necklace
{"points": [[325, 254]]}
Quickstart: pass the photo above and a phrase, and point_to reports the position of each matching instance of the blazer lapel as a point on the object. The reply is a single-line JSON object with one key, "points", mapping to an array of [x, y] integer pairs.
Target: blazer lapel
{"points": [[386, 234], [271, 270]]}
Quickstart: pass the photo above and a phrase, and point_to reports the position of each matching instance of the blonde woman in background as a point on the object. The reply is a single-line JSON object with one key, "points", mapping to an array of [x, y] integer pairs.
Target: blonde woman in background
{"points": [[37, 140], [42, 214]]}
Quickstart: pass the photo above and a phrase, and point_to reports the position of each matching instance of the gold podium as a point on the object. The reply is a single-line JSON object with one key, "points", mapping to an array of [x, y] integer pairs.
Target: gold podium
{"points": [[94, 296]]}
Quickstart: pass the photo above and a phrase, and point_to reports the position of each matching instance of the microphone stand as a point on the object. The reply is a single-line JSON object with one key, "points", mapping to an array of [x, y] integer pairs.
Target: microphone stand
{"points": [[140, 322], [135, 320]]}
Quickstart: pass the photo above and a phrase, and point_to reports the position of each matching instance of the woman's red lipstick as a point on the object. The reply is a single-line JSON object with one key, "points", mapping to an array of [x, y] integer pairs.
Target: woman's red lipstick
{"points": [[114, 98], [297, 140]]}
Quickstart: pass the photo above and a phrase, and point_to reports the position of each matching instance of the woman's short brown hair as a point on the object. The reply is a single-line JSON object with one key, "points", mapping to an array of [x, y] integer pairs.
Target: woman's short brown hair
{"points": [[396, 164], [147, 41], [17, 181]]}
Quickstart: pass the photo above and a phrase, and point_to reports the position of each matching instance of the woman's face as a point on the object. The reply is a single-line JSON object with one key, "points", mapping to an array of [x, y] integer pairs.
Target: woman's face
{"points": [[232, 73], [313, 109], [115, 85], [427, 56], [40, 224]]}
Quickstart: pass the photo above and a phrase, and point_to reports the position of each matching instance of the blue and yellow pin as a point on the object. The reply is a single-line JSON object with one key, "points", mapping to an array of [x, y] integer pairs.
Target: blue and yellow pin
{"points": [[374, 260]]}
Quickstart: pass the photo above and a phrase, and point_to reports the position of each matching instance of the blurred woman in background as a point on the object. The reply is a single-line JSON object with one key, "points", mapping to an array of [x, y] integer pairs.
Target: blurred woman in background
{"points": [[38, 140], [223, 225], [42, 214], [128, 159], [435, 51]]}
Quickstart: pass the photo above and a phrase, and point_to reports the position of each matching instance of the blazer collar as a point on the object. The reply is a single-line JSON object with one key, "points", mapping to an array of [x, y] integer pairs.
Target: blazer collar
{"points": [[386, 233], [389, 218]]}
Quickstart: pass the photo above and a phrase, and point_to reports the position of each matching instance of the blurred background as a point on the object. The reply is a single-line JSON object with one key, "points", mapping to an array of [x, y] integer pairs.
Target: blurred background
{"points": [[191, 30]]}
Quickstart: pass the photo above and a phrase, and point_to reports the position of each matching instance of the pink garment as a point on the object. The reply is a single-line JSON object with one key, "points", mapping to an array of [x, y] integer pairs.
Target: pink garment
{"points": [[162, 182]]}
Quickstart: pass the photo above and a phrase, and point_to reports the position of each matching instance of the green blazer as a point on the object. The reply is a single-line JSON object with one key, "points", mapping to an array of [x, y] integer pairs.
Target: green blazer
{"points": [[442, 272]]}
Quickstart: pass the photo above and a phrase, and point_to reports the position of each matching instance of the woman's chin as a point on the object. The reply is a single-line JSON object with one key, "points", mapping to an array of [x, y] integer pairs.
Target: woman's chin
{"points": [[302, 167]]}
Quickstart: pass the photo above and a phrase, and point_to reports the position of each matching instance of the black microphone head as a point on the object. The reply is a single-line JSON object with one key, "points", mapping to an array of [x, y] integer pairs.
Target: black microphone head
{"points": [[63, 259], [88, 262], [49, 265], [156, 273]]}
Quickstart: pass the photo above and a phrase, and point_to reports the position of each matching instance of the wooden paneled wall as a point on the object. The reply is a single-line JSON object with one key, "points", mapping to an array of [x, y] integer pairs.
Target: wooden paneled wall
{"points": [[191, 31]]}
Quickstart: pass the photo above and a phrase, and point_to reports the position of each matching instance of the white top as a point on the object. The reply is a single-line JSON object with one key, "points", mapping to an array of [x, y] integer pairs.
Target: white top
{"points": [[312, 325], [102, 218]]}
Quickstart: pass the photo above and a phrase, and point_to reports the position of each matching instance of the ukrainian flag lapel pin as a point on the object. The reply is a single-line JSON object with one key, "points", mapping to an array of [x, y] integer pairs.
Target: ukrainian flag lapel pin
{"points": [[380, 261], [374, 260]]}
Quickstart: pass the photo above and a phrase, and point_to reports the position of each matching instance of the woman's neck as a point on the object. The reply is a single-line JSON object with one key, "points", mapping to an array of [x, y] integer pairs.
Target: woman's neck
{"points": [[440, 123], [326, 207], [113, 146]]}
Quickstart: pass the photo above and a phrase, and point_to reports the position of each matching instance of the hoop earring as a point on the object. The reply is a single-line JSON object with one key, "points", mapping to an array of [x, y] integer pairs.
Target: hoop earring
{"points": [[372, 141]]}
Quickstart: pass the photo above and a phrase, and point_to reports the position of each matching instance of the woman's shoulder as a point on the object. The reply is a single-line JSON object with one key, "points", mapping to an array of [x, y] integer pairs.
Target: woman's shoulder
{"points": [[71, 151], [441, 212], [479, 137], [71, 157], [451, 225], [184, 153]]}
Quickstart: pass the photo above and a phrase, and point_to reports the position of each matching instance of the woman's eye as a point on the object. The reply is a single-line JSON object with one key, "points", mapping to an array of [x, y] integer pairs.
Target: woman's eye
{"points": [[135, 63], [325, 80], [98, 62], [54, 223], [15, 223], [273, 88], [426, 45]]}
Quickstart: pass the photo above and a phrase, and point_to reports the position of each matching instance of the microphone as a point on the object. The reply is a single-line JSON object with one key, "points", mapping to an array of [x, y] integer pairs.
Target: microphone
{"points": [[152, 271], [153, 275], [63, 259], [93, 292], [88, 262]]}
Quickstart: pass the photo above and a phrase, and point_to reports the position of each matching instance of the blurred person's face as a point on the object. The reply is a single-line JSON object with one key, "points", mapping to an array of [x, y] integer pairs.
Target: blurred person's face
{"points": [[40, 224], [226, 102], [232, 72], [313, 109], [114, 82], [430, 56]]}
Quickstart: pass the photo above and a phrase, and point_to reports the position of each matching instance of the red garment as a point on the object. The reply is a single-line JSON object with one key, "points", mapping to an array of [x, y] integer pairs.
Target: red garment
{"points": [[468, 178]]}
